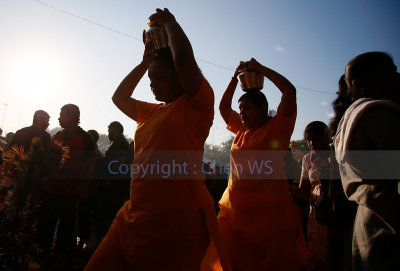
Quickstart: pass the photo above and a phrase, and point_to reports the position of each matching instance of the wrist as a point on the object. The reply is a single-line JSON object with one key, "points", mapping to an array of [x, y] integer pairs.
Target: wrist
{"points": [[234, 79], [143, 64], [170, 24]]}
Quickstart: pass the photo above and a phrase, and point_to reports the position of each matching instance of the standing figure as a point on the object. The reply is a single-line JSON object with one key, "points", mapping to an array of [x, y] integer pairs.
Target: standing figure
{"points": [[367, 146], [331, 214], [113, 191], [260, 223], [70, 183], [170, 217]]}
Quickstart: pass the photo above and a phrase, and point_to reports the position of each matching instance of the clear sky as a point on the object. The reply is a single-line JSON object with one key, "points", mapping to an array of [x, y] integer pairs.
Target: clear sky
{"points": [[54, 52]]}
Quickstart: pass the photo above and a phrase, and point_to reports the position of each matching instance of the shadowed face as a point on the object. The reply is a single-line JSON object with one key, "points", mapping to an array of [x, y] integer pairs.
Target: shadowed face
{"points": [[251, 115], [112, 133], [164, 82], [66, 120], [316, 141], [43, 122]]}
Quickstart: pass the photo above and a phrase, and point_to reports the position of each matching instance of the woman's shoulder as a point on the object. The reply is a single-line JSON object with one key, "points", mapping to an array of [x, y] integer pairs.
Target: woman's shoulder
{"points": [[306, 160]]}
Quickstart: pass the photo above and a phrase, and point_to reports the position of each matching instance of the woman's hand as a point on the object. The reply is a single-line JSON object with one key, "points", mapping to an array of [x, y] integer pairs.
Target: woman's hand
{"points": [[252, 65], [161, 17], [149, 52], [238, 70]]}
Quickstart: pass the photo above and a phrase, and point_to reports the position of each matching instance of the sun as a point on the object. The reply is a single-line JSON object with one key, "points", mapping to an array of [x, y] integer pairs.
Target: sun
{"points": [[35, 77]]}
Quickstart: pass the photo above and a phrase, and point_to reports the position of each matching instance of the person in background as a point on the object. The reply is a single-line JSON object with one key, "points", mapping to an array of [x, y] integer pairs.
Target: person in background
{"points": [[1, 147], [70, 183], [339, 105], [9, 136], [320, 186], [114, 189], [87, 211], [259, 221], [23, 137], [366, 139], [293, 172]]}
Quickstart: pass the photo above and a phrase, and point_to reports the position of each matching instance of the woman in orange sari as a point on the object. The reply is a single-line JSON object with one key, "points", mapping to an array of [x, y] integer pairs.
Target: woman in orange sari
{"points": [[259, 222], [169, 221]]}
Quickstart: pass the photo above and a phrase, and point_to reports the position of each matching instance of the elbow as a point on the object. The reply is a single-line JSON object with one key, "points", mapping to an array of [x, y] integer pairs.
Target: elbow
{"points": [[225, 112], [293, 90], [115, 99], [222, 108]]}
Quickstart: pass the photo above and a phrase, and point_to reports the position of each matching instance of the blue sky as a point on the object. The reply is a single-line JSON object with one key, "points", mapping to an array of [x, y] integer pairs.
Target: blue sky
{"points": [[81, 60]]}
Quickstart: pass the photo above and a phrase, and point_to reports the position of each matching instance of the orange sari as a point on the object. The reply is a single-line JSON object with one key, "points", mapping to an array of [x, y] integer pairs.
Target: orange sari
{"points": [[169, 221], [259, 222]]}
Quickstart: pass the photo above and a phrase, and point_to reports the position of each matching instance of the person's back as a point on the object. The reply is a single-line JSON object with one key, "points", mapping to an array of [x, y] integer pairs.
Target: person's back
{"points": [[118, 152], [113, 190], [67, 180], [23, 137], [369, 173]]}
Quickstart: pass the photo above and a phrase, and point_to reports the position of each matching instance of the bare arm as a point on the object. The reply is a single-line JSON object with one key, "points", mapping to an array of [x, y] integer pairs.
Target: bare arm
{"points": [[304, 190], [122, 95], [225, 105], [288, 101], [188, 71]]}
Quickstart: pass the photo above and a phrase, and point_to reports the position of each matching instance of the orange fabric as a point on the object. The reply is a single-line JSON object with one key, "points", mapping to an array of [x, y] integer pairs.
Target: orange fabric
{"points": [[259, 222], [168, 221]]}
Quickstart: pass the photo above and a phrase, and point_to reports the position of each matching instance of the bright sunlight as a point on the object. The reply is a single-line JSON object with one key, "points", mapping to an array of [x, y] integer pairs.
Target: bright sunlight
{"points": [[35, 77]]}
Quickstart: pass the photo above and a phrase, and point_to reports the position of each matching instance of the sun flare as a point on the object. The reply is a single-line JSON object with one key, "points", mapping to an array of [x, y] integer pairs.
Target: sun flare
{"points": [[35, 77]]}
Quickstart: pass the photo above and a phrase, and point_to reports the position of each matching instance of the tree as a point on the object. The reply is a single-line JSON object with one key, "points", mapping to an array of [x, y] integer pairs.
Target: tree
{"points": [[218, 154], [300, 144]]}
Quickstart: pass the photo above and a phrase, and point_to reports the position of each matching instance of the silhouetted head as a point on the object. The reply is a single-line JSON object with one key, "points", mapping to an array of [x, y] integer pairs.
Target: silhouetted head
{"points": [[373, 75], [69, 116], [9, 136], [115, 129], [317, 135], [94, 134], [164, 80], [340, 104], [41, 119], [253, 106]]}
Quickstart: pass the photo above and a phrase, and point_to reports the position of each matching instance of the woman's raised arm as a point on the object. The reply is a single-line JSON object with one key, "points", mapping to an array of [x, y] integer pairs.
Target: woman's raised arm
{"points": [[122, 95], [288, 100], [185, 64], [225, 105]]}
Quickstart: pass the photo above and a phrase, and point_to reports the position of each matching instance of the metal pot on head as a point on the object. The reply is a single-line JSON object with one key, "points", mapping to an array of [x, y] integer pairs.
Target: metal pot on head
{"points": [[251, 80], [158, 37]]}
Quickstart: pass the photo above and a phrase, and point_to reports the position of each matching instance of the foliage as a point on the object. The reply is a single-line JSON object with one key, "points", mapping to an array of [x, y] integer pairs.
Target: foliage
{"points": [[300, 144], [219, 154], [22, 178]]}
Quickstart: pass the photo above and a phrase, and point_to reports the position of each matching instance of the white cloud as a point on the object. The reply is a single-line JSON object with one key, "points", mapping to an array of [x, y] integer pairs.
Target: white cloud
{"points": [[279, 49], [330, 115], [324, 103]]}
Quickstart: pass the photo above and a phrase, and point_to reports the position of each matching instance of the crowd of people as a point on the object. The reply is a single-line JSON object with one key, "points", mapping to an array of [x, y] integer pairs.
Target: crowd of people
{"points": [[83, 195], [335, 210]]}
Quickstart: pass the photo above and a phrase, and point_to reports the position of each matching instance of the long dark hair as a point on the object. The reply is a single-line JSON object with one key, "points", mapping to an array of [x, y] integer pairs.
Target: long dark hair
{"points": [[340, 105], [319, 128], [378, 65]]}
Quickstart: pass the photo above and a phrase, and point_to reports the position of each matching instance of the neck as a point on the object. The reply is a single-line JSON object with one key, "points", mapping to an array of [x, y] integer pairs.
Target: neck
{"points": [[260, 124], [71, 129]]}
